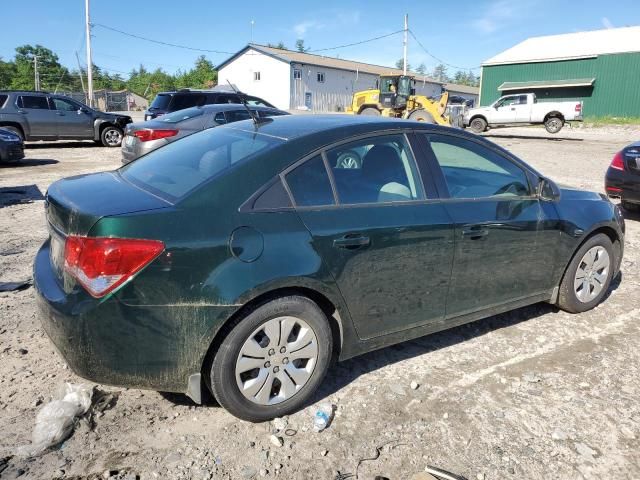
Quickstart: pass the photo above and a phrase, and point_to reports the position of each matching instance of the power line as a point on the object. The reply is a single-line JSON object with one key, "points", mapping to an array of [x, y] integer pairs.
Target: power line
{"points": [[438, 59], [159, 42], [357, 43]]}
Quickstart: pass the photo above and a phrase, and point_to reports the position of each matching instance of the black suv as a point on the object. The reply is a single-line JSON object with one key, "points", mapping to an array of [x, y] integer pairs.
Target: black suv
{"points": [[166, 102], [47, 116]]}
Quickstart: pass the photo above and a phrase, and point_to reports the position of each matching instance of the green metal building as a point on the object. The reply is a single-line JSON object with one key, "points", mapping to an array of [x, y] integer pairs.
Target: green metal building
{"points": [[601, 68]]}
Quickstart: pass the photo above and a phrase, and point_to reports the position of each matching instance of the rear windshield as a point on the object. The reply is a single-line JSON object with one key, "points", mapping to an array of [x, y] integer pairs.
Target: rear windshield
{"points": [[179, 167], [161, 102], [180, 115]]}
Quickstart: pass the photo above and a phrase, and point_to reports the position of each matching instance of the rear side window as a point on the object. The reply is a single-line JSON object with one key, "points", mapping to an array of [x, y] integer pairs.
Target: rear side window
{"points": [[34, 102], [227, 98], [161, 102], [309, 184], [237, 115], [258, 102], [474, 171], [183, 101], [3, 99], [175, 169]]}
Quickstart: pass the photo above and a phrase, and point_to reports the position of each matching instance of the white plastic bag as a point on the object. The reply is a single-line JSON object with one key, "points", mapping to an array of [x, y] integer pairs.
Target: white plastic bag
{"points": [[56, 420]]}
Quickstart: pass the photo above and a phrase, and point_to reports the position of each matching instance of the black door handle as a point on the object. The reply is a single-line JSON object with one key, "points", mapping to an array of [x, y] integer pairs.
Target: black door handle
{"points": [[351, 241], [474, 232]]}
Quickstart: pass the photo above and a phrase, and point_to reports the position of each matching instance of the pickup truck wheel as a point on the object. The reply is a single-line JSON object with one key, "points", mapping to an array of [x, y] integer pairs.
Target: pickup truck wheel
{"points": [[15, 130], [422, 116], [554, 124], [478, 125], [111, 136], [374, 112]]}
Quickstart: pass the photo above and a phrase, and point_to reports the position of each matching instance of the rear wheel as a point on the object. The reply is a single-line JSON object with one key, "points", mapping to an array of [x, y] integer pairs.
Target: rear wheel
{"points": [[478, 125], [553, 124], [273, 359], [111, 136], [421, 116], [588, 276], [370, 111], [15, 130]]}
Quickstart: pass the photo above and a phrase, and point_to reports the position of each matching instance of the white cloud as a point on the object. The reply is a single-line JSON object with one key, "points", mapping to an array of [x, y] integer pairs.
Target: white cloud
{"points": [[606, 23], [339, 18], [497, 13], [301, 28]]}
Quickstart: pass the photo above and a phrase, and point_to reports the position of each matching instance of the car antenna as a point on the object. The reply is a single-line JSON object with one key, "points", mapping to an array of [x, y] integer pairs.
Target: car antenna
{"points": [[243, 98]]}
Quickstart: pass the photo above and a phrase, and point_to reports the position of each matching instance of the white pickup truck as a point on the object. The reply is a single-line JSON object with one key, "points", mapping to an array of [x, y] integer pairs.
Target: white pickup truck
{"points": [[523, 108]]}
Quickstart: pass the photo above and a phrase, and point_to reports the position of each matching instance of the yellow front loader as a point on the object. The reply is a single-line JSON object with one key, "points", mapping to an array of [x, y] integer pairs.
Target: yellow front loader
{"points": [[396, 97]]}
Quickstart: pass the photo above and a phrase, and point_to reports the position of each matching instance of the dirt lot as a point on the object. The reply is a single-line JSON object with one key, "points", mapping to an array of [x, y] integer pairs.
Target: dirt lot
{"points": [[535, 393]]}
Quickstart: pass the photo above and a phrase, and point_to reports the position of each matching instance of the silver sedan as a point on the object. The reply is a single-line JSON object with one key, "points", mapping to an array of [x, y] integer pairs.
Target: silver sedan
{"points": [[143, 137]]}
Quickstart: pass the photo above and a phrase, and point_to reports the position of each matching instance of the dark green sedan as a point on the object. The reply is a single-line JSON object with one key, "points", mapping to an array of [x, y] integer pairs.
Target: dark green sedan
{"points": [[244, 258]]}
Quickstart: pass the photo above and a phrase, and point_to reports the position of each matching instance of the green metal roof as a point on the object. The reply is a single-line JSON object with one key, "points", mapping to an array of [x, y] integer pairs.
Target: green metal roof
{"points": [[571, 82]]}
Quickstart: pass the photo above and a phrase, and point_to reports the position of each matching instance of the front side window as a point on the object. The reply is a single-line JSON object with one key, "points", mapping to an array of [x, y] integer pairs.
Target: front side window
{"points": [[258, 102], [320, 77], [474, 171], [3, 99], [33, 102], [375, 170], [309, 184], [179, 167], [507, 101], [65, 105], [227, 98], [181, 102]]}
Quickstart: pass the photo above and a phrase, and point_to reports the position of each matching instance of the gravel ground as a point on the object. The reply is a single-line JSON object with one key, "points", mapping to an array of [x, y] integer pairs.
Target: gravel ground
{"points": [[534, 393]]}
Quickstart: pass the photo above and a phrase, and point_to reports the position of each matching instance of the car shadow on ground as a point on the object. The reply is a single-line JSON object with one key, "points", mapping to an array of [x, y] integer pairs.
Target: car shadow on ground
{"points": [[633, 216], [29, 162], [531, 137], [19, 194], [62, 144]]}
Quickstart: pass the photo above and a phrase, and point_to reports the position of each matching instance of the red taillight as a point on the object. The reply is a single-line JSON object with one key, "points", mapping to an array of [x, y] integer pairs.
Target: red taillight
{"points": [[148, 134], [613, 189], [103, 264], [617, 162], [578, 107]]}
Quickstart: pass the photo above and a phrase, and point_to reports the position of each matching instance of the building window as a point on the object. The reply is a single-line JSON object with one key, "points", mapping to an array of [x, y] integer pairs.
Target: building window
{"points": [[320, 77], [256, 76], [297, 74]]}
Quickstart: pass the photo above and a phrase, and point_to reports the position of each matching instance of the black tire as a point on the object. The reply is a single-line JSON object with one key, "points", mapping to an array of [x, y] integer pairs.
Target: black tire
{"points": [[222, 375], [478, 125], [567, 298], [553, 124], [111, 136], [422, 116], [15, 130], [630, 207], [370, 111]]}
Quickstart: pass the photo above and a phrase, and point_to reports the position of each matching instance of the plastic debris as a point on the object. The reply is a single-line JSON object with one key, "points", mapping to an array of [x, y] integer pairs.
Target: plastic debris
{"points": [[56, 420], [323, 416]]}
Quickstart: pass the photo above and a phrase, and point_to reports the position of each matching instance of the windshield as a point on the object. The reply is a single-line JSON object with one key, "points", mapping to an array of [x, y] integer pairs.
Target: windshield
{"points": [[179, 167], [181, 115], [161, 102]]}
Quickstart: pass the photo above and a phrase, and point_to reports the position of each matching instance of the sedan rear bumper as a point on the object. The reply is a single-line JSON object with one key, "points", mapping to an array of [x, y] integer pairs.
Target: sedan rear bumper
{"points": [[622, 184], [110, 342]]}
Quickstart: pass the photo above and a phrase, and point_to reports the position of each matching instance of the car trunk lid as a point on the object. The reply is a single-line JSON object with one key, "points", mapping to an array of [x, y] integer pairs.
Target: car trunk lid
{"points": [[75, 204]]}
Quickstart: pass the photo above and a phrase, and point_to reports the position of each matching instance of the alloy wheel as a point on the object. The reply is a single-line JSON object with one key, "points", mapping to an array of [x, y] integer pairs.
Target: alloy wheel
{"points": [[277, 360], [113, 137], [591, 274]]}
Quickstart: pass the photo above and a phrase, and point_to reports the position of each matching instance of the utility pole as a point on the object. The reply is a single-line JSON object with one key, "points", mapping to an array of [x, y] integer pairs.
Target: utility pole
{"points": [[89, 61], [36, 74], [404, 44], [84, 90]]}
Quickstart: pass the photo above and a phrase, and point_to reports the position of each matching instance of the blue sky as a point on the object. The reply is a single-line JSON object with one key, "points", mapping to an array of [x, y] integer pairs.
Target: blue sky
{"points": [[462, 33]]}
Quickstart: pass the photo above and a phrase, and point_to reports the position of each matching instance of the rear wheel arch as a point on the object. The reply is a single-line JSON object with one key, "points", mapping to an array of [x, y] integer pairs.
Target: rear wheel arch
{"points": [[554, 114], [322, 301]]}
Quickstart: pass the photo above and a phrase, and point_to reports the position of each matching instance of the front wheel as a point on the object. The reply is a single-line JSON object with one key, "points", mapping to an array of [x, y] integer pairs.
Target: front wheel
{"points": [[370, 111], [273, 360], [422, 116], [111, 136], [553, 124], [588, 276]]}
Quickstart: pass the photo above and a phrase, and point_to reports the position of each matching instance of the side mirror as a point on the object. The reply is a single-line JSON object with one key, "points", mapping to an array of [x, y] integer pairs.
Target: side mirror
{"points": [[548, 190], [83, 110]]}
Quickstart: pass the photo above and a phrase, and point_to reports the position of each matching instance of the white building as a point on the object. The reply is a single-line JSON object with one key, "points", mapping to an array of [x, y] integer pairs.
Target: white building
{"points": [[295, 80]]}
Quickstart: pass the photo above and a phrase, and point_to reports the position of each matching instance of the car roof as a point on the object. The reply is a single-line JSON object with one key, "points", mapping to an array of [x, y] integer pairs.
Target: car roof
{"points": [[290, 127]]}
